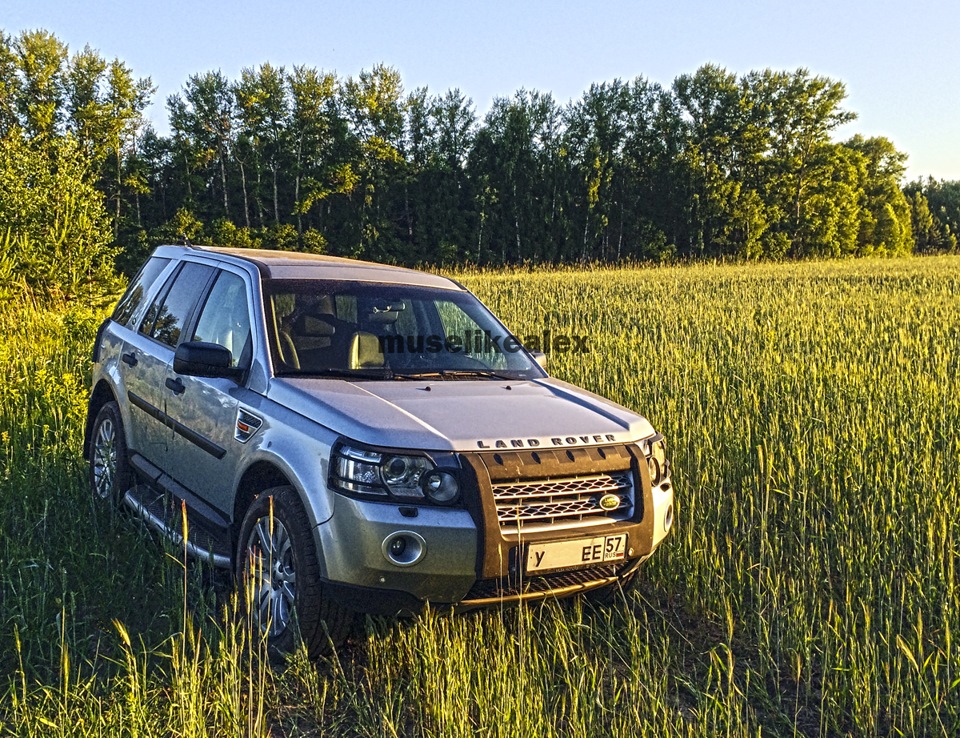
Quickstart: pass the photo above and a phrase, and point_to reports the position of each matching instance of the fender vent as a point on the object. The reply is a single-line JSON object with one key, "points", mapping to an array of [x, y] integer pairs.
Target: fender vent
{"points": [[247, 425]]}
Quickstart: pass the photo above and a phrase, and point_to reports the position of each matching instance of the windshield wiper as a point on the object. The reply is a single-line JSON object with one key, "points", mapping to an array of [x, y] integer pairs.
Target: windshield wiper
{"points": [[489, 373], [455, 373]]}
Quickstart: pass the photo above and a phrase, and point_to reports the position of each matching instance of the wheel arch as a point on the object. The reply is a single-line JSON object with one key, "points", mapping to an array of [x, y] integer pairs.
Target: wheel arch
{"points": [[260, 476], [100, 396]]}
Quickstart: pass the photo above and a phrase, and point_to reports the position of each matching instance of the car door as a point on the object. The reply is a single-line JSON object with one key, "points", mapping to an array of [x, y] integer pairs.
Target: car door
{"points": [[148, 353], [207, 448], [132, 363]]}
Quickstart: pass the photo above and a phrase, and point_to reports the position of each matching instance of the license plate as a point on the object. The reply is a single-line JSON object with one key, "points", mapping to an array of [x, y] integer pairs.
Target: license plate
{"points": [[575, 553]]}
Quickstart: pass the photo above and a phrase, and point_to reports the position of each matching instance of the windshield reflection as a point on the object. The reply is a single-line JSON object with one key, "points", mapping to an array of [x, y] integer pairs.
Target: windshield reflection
{"points": [[363, 330]]}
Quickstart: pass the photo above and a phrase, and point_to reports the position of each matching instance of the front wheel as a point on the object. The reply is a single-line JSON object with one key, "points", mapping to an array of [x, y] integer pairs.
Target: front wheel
{"points": [[279, 577], [110, 473]]}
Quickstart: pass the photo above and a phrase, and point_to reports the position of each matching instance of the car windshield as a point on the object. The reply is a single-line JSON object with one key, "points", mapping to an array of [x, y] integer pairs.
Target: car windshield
{"points": [[366, 330]]}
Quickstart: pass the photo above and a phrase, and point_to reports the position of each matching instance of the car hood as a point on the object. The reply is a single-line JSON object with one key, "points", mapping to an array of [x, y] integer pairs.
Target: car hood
{"points": [[461, 415]]}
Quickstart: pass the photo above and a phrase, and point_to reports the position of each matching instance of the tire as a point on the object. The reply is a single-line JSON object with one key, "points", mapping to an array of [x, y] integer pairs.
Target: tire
{"points": [[110, 473], [279, 575], [609, 594]]}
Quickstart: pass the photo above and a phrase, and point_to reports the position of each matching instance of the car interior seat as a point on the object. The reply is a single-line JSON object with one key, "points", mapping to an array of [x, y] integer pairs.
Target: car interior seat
{"points": [[365, 351]]}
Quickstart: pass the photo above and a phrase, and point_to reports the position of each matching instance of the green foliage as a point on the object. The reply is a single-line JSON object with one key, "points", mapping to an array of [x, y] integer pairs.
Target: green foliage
{"points": [[313, 241], [69, 128], [225, 233], [54, 232], [517, 158], [886, 221], [717, 165], [935, 214], [929, 233], [262, 109], [40, 58], [50, 94], [184, 225]]}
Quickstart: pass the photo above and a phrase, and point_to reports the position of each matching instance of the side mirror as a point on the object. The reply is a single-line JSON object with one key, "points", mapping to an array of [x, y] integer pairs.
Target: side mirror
{"points": [[203, 359], [540, 358]]}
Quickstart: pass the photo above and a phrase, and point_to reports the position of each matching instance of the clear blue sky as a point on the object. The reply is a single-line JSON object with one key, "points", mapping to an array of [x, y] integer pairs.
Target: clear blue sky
{"points": [[900, 60]]}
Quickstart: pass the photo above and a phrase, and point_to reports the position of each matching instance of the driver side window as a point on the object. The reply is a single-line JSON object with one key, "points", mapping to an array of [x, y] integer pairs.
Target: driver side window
{"points": [[225, 319]]}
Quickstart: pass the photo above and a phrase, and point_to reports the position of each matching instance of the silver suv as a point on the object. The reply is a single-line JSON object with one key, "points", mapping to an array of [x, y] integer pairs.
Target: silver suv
{"points": [[352, 437]]}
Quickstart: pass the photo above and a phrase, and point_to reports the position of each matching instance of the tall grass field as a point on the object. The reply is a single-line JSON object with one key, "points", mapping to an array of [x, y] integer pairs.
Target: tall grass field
{"points": [[809, 587]]}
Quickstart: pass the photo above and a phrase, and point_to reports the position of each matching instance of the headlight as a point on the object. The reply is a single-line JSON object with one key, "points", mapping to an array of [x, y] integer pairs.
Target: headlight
{"points": [[356, 470], [655, 449], [406, 477], [402, 474], [440, 486]]}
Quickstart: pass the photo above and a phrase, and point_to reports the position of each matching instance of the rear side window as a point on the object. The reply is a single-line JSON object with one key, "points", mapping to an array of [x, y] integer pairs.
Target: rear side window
{"points": [[141, 284], [174, 306]]}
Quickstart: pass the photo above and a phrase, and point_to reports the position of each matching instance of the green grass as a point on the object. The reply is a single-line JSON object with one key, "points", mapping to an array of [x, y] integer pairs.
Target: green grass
{"points": [[809, 587]]}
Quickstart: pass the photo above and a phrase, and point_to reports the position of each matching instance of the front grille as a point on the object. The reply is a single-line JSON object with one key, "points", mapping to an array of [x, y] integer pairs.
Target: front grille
{"points": [[535, 504], [504, 589]]}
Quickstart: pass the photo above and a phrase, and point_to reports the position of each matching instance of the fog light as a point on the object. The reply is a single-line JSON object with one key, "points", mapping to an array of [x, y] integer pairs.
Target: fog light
{"points": [[404, 548], [668, 518]]}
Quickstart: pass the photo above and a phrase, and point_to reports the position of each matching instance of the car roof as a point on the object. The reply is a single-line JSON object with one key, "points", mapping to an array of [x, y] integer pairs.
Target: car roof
{"points": [[297, 265]]}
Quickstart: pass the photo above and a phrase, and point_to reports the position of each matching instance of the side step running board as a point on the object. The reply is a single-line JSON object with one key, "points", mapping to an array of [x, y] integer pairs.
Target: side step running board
{"points": [[193, 550]]}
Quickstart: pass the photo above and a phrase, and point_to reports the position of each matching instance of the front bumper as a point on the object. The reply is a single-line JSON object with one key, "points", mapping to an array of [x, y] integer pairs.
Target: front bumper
{"points": [[353, 553], [468, 560]]}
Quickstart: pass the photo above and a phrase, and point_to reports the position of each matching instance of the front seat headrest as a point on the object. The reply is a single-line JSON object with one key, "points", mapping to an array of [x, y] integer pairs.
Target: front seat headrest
{"points": [[365, 351]]}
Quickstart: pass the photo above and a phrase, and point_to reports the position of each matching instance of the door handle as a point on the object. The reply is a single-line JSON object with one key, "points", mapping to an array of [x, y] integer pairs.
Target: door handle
{"points": [[176, 385], [130, 359]]}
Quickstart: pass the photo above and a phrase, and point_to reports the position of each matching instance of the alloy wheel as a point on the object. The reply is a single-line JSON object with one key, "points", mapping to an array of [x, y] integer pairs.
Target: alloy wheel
{"points": [[273, 578], [105, 458]]}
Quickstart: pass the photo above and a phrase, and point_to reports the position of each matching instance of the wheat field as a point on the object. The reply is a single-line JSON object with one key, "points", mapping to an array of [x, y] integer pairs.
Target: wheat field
{"points": [[809, 587]]}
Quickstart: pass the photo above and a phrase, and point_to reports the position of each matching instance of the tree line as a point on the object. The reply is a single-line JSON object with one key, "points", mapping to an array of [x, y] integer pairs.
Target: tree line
{"points": [[716, 165]]}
